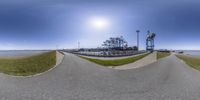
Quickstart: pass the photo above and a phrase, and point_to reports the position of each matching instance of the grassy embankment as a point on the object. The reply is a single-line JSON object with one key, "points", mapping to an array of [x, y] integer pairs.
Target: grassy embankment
{"points": [[115, 62], [28, 65], [191, 61], [162, 54]]}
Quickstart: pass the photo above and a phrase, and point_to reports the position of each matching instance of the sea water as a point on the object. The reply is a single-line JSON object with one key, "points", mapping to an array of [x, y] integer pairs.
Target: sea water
{"points": [[192, 52], [20, 53]]}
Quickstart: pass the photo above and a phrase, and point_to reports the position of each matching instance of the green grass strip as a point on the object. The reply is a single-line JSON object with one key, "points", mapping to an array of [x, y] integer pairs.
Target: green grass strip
{"points": [[116, 62], [28, 65], [191, 61], [162, 54]]}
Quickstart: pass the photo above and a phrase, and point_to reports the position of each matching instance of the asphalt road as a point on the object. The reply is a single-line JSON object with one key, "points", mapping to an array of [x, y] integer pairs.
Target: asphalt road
{"points": [[78, 79]]}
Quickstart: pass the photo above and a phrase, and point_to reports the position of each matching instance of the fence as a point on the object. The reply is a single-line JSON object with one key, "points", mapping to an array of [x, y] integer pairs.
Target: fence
{"points": [[109, 53]]}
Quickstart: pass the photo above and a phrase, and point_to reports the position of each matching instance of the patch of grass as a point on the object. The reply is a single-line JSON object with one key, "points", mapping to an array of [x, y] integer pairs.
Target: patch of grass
{"points": [[115, 62], [28, 65], [162, 54], [191, 61]]}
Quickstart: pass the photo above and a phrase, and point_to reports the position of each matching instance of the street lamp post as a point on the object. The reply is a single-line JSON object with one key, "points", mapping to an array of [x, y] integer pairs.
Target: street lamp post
{"points": [[78, 45], [138, 31]]}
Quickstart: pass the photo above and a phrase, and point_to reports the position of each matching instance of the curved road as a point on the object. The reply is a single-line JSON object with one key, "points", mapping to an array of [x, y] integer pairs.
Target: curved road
{"points": [[78, 79]]}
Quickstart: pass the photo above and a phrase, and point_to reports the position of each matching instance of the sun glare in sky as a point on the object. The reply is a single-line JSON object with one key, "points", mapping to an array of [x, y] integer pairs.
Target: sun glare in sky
{"points": [[99, 23]]}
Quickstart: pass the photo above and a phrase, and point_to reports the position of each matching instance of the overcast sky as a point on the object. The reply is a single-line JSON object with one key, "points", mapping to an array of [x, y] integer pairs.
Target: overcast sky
{"points": [[47, 24]]}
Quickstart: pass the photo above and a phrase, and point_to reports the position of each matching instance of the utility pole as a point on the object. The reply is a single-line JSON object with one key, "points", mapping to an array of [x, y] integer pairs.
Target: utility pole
{"points": [[56, 47], [138, 31], [78, 45]]}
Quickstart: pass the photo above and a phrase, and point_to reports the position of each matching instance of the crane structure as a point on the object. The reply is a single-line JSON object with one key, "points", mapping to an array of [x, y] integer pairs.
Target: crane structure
{"points": [[150, 41]]}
